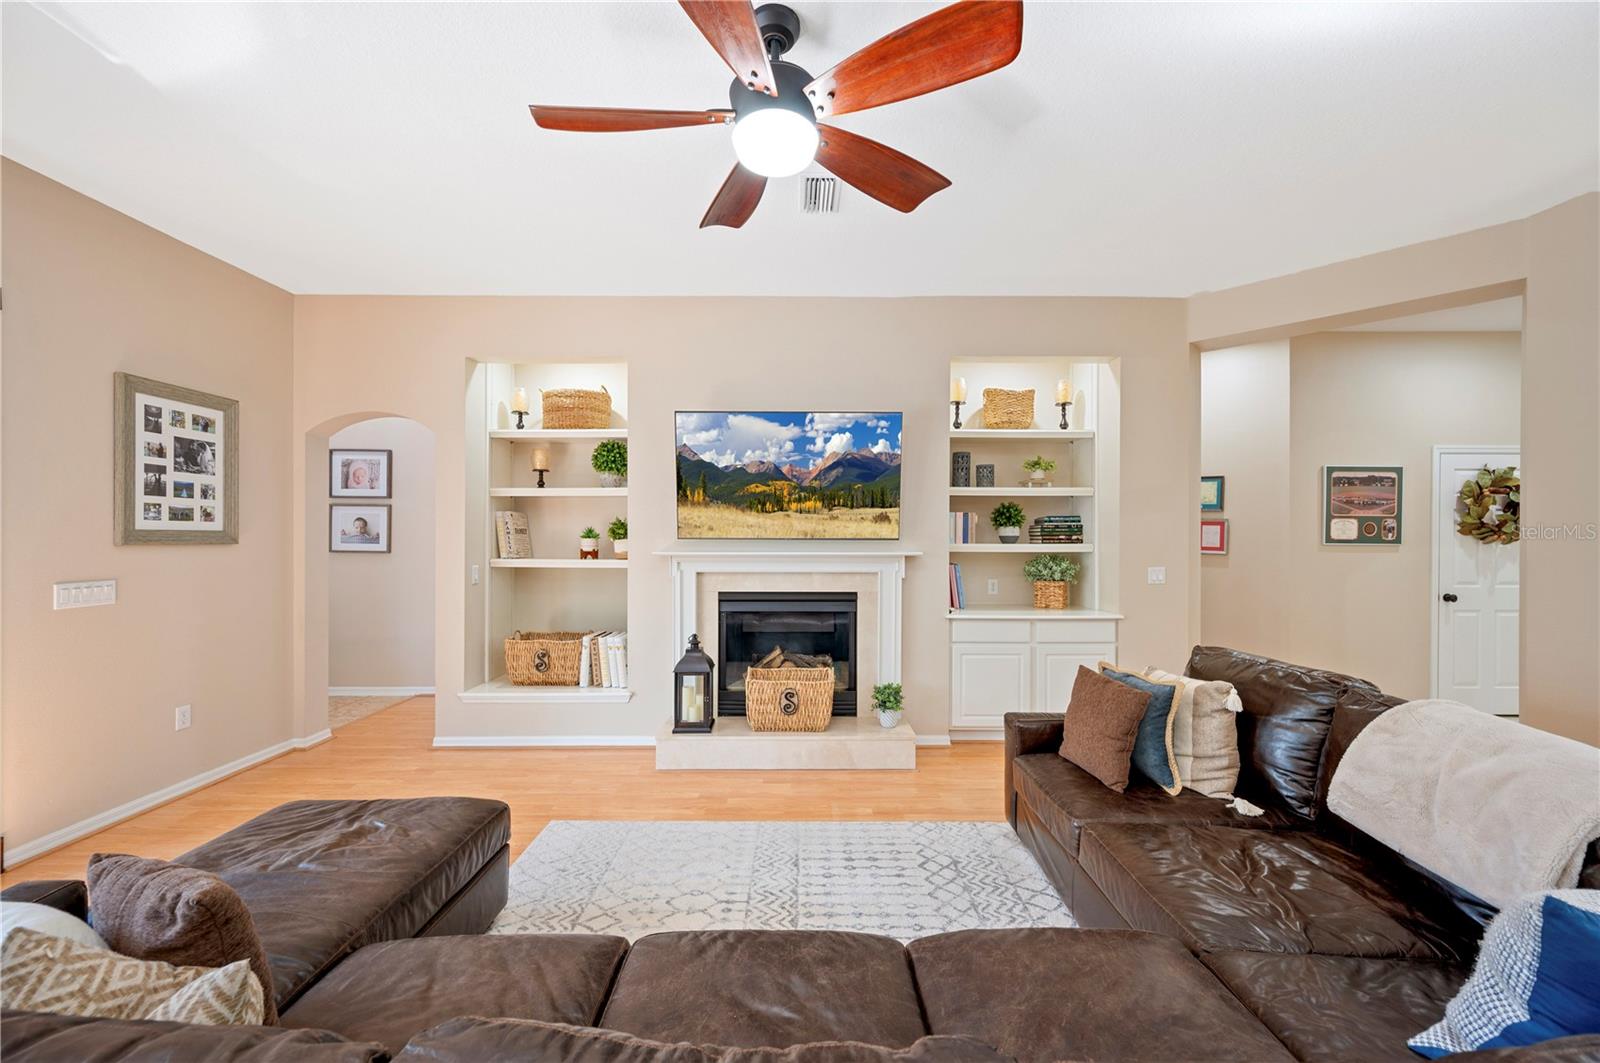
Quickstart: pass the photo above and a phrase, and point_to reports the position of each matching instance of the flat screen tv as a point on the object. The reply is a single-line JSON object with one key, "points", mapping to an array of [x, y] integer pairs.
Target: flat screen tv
{"points": [[770, 475]]}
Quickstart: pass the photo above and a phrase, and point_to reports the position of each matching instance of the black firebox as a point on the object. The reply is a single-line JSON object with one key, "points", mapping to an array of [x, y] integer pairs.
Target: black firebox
{"points": [[753, 624]]}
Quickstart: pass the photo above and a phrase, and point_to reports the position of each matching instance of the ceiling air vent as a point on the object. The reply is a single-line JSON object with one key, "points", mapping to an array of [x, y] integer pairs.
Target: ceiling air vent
{"points": [[819, 195]]}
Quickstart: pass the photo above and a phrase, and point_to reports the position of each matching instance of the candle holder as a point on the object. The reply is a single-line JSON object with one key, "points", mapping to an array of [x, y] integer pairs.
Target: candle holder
{"points": [[1065, 406], [520, 415], [956, 404], [541, 473]]}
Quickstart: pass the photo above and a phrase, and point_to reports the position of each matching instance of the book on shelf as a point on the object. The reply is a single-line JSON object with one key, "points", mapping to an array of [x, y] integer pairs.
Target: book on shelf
{"points": [[958, 590], [963, 528], [1064, 528], [604, 659], [511, 534]]}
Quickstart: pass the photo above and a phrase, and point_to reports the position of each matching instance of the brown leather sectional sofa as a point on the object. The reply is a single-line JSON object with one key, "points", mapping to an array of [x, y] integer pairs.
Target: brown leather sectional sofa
{"points": [[1222, 938], [1337, 944]]}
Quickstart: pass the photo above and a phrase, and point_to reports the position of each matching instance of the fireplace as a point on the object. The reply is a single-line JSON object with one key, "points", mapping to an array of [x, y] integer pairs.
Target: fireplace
{"points": [[752, 624]]}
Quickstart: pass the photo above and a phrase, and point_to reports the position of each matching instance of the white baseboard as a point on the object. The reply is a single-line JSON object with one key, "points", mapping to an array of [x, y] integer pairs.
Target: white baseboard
{"points": [[536, 741], [933, 740], [377, 692], [84, 827], [978, 735]]}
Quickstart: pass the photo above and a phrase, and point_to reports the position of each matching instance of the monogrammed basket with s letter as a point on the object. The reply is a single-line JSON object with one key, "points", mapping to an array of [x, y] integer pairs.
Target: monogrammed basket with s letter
{"points": [[788, 699], [544, 658]]}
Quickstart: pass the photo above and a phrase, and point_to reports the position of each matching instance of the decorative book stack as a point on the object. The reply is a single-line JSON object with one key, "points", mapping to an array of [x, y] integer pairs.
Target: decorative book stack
{"points": [[604, 662], [963, 527], [1059, 528]]}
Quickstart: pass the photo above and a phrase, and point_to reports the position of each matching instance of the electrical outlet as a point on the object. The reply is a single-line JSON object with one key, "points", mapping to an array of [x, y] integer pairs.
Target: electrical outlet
{"points": [[1155, 574], [182, 717], [994, 586]]}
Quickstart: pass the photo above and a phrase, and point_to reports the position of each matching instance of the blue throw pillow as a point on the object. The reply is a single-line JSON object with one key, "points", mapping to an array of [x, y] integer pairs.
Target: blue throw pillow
{"points": [[1152, 747], [1535, 978]]}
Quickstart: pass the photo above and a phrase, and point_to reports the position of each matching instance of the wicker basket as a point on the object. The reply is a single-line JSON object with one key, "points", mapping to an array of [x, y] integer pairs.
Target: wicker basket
{"points": [[576, 408], [544, 658], [1051, 594], [788, 699], [1007, 409]]}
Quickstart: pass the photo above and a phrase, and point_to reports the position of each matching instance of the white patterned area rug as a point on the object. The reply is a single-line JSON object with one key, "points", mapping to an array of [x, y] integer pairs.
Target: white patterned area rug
{"points": [[904, 880]]}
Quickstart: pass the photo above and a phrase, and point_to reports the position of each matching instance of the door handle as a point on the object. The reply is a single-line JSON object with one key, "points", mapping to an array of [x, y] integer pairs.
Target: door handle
{"points": [[1449, 598]]}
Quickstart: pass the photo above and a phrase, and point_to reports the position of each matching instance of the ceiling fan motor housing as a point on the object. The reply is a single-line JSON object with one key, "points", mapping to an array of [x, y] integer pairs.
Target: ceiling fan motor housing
{"points": [[779, 26], [791, 83]]}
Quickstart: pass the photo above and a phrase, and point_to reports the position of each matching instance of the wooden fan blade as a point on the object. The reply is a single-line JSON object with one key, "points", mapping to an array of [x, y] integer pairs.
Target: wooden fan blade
{"points": [[952, 45], [736, 200], [730, 26], [620, 119], [886, 175]]}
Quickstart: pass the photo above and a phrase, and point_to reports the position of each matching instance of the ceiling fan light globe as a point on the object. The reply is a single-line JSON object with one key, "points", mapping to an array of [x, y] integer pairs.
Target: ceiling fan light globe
{"points": [[775, 142]]}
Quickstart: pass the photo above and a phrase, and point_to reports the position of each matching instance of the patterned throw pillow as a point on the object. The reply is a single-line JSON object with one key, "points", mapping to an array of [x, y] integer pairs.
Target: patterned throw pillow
{"points": [[1205, 732], [1152, 746], [1534, 980], [1102, 721], [43, 973], [155, 910]]}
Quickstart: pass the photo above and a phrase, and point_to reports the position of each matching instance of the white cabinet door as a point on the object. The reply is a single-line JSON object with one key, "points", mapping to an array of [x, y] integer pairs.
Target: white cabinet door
{"points": [[987, 681], [1055, 667]]}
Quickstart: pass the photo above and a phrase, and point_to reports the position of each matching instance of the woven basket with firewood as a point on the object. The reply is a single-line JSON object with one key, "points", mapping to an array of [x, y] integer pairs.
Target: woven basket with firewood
{"points": [[789, 692]]}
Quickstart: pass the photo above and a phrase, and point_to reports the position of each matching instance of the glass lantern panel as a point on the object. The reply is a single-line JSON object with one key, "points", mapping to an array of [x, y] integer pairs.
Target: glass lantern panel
{"points": [[692, 699]]}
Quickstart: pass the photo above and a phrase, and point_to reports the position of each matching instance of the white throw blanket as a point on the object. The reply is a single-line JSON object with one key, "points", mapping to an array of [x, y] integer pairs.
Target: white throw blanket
{"points": [[1495, 807]]}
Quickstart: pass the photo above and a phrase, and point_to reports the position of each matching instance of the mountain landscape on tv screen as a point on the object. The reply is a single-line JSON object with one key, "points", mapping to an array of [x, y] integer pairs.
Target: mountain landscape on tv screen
{"points": [[788, 475]]}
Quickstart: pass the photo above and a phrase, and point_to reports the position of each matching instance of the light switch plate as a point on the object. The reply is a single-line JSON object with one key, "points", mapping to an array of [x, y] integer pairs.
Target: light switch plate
{"points": [[994, 586], [475, 576], [84, 593], [1155, 574]]}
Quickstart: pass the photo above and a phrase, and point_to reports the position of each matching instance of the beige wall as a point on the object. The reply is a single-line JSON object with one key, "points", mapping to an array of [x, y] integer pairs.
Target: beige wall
{"points": [[1551, 258], [1244, 436], [409, 356], [380, 606], [88, 694]]}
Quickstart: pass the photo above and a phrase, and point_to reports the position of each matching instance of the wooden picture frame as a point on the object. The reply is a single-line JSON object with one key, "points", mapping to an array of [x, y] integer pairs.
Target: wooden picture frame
{"points": [[170, 484], [379, 514], [347, 466], [1214, 536], [1211, 493], [1363, 505]]}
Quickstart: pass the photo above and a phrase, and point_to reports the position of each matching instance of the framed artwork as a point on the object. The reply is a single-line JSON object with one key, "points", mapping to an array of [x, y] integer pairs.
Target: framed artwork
{"points": [[360, 473], [1361, 505], [355, 529], [1214, 535], [1211, 494], [176, 464]]}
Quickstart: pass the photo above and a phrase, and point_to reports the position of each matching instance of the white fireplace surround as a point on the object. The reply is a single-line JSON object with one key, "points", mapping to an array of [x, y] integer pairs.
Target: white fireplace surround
{"points": [[887, 567]]}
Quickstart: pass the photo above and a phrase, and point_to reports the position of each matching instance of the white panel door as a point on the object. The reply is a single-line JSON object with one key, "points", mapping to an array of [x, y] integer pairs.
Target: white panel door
{"points": [[1477, 601], [987, 681], [1055, 669]]}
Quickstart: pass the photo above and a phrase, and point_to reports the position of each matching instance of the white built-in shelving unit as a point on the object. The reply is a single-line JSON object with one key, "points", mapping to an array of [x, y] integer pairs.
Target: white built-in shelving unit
{"points": [[1006, 655], [554, 590]]}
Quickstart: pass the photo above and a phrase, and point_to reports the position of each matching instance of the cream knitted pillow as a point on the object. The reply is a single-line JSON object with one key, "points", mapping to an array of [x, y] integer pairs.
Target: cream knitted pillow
{"points": [[1205, 738]]}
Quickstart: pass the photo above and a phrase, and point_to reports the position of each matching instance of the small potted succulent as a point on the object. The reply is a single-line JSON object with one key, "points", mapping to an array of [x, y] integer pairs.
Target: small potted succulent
{"points": [[887, 698], [617, 530], [588, 544], [1050, 575], [610, 460], [1007, 519], [1037, 466]]}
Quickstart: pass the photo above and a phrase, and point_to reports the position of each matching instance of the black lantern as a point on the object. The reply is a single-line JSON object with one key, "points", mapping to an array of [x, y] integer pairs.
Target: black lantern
{"points": [[693, 691]]}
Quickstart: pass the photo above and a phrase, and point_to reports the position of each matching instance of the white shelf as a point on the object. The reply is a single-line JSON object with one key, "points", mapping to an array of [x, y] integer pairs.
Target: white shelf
{"points": [[558, 492], [1034, 434], [1001, 612], [557, 434], [557, 562], [1022, 492], [502, 690], [1021, 548]]}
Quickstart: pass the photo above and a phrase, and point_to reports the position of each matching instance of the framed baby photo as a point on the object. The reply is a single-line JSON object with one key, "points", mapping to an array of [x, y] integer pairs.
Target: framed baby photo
{"points": [[175, 464], [358, 529], [360, 473]]}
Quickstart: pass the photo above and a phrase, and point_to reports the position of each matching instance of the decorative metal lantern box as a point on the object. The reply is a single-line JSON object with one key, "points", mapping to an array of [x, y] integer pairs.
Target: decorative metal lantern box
{"points": [[693, 691]]}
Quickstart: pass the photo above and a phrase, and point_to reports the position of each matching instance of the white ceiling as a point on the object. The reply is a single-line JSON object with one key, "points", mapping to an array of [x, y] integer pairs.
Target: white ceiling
{"points": [[1498, 315], [1132, 149]]}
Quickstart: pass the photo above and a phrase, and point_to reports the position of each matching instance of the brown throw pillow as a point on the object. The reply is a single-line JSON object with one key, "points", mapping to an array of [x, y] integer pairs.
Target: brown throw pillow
{"points": [[153, 910], [1101, 724]]}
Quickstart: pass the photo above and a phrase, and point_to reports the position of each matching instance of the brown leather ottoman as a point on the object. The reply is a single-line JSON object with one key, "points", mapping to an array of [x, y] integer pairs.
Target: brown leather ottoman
{"points": [[766, 988], [392, 991], [1046, 994], [324, 878]]}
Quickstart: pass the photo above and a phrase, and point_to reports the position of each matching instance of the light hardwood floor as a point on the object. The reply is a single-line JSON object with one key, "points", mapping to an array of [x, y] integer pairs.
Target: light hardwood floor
{"points": [[390, 754]]}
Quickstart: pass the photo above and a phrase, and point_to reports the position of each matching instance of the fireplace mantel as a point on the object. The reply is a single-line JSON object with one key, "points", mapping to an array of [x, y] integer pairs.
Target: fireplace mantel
{"points": [[888, 566]]}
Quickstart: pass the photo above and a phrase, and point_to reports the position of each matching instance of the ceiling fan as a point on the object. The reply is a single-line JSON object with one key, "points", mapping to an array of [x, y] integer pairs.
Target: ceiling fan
{"points": [[777, 106]]}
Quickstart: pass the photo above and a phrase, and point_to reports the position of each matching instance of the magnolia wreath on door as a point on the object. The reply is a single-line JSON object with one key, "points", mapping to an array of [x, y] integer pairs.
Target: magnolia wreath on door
{"points": [[1489, 506]]}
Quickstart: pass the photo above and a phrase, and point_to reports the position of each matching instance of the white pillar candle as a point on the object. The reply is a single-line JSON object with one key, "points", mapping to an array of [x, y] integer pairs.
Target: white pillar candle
{"points": [[1063, 391], [541, 458], [958, 389], [519, 400]]}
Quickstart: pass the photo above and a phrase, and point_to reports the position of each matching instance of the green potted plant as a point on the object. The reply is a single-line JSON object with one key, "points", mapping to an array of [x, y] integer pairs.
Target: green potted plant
{"points": [[887, 698], [588, 544], [1007, 519], [1037, 466], [618, 533], [610, 460], [1050, 575]]}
